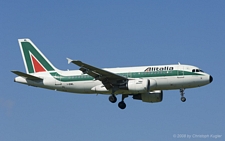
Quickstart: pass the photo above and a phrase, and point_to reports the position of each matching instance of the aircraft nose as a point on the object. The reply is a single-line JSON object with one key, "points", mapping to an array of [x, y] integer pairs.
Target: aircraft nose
{"points": [[210, 78]]}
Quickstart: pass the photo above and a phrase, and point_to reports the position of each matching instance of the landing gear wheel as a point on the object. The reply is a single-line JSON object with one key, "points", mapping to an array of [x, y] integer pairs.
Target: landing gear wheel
{"points": [[183, 99], [112, 98], [122, 105]]}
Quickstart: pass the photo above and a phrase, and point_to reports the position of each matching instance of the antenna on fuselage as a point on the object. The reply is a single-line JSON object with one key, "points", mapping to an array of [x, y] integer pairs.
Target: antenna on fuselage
{"points": [[178, 63]]}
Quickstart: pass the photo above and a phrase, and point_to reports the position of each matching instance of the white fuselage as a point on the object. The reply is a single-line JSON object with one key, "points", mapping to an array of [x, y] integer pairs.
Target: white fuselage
{"points": [[163, 77]]}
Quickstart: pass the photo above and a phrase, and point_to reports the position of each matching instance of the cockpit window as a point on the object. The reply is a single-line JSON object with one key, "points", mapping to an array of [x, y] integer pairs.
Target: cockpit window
{"points": [[197, 70]]}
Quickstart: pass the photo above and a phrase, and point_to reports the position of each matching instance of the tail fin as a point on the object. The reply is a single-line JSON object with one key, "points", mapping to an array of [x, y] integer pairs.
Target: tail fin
{"points": [[34, 60]]}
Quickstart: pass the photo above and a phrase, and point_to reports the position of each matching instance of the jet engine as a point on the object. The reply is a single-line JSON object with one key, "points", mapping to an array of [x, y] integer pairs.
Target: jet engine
{"points": [[152, 97], [138, 85]]}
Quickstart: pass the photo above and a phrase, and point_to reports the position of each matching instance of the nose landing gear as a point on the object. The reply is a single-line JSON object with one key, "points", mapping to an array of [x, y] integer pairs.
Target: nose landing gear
{"points": [[183, 99]]}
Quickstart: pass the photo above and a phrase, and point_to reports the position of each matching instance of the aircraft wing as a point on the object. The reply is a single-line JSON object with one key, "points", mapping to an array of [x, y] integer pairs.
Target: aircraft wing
{"points": [[28, 76], [106, 77]]}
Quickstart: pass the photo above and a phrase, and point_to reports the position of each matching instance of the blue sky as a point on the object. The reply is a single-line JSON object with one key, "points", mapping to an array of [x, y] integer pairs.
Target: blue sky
{"points": [[112, 34]]}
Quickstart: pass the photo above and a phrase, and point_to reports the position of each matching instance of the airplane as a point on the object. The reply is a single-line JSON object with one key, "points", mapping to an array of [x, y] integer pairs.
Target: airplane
{"points": [[145, 83]]}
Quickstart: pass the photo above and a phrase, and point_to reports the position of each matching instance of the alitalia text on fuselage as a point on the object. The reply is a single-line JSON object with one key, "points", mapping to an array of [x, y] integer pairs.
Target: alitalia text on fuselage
{"points": [[166, 68]]}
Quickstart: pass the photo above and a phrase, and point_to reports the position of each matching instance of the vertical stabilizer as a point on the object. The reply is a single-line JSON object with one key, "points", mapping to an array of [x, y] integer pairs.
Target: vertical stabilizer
{"points": [[33, 58]]}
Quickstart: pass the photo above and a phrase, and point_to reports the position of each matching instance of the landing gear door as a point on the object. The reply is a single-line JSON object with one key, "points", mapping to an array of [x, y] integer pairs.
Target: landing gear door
{"points": [[180, 71]]}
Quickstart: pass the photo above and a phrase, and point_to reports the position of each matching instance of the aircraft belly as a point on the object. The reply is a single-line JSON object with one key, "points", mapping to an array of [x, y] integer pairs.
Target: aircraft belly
{"points": [[184, 82], [88, 85], [162, 83], [74, 87]]}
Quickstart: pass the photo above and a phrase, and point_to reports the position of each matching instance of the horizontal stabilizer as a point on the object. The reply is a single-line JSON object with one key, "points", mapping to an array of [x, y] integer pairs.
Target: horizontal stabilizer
{"points": [[28, 76]]}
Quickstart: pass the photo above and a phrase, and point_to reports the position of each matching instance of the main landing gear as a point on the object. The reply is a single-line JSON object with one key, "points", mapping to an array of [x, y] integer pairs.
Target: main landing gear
{"points": [[183, 99], [112, 98], [121, 104]]}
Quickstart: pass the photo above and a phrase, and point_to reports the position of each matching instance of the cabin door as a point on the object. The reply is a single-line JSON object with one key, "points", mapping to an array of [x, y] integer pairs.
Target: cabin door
{"points": [[180, 71]]}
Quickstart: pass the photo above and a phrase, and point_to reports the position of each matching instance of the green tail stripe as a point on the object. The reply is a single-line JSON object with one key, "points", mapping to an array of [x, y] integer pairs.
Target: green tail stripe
{"points": [[27, 47]]}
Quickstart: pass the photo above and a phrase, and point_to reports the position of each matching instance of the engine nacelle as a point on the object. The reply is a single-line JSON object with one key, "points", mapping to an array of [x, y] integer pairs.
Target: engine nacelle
{"points": [[139, 85], [152, 97]]}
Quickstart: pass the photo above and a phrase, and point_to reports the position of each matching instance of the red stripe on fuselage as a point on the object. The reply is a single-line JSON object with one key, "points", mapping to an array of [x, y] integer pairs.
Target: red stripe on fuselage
{"points": [[37, 66]]}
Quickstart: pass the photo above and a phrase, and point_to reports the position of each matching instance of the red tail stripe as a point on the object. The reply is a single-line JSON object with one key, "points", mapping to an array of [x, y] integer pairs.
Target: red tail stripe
{"points": [[37, 66]]}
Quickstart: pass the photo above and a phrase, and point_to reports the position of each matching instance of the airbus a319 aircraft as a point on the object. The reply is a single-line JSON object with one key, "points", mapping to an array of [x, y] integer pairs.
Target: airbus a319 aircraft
{"points": [[144, 83]]}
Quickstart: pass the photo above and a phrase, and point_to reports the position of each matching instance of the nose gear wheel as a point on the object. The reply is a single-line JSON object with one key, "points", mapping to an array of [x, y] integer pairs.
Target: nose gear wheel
{"points": [[183, 99]]}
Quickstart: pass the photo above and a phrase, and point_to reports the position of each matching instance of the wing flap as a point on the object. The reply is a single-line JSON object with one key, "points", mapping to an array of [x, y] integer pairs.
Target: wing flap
{"points": [[28, 76]]}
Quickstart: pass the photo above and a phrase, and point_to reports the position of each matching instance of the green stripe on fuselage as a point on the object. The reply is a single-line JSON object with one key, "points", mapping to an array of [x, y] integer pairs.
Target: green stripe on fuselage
{"points": [[130, 75]]}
